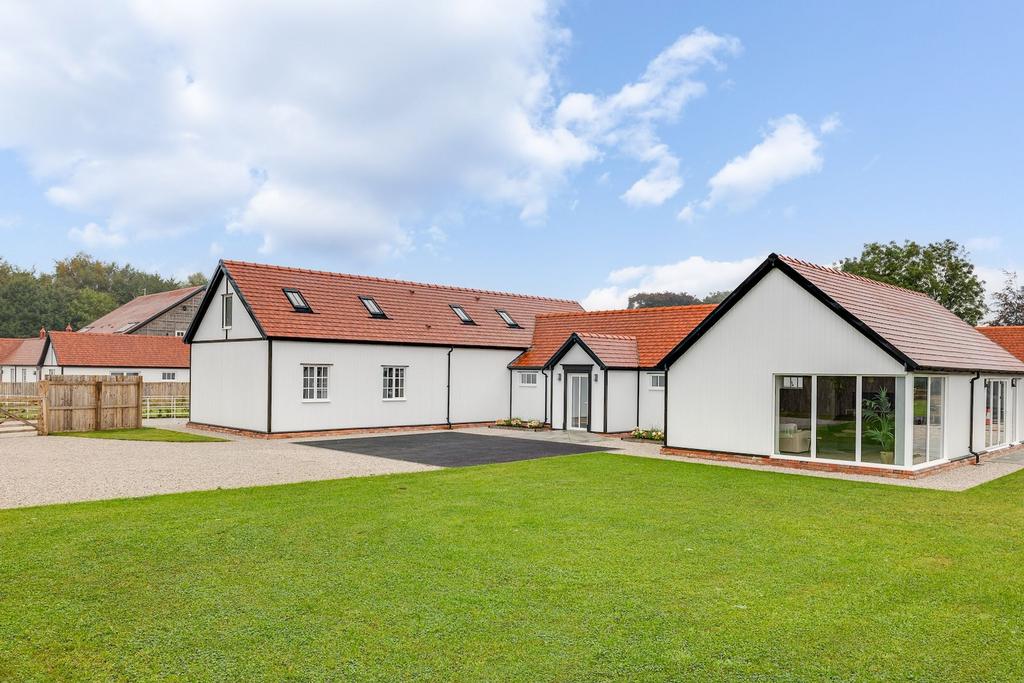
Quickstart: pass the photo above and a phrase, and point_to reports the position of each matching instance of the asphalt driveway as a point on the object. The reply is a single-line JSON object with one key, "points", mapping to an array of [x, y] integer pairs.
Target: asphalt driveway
{"points": [[454, 449]]}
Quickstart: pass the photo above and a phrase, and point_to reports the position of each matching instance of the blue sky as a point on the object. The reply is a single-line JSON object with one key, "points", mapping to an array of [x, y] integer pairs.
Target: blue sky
{"points": [[508, 148]]}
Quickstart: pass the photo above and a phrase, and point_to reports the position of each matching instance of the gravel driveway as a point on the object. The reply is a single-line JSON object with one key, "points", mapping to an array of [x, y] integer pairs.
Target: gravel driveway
{"points": [[37, 470]]}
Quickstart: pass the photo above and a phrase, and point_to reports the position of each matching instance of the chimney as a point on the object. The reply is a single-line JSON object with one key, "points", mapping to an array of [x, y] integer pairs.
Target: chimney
{"points": [[42, 333], [68, 328]]}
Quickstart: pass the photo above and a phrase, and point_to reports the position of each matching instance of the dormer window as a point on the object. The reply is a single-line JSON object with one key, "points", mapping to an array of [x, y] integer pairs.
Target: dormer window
{"points": [[372, 307], [297, 301], [463, 316], [506, 317]]}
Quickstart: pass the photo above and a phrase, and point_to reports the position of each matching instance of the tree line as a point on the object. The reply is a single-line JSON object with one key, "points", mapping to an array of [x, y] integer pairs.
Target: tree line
{"points": [[942, 270], [79, 290]]}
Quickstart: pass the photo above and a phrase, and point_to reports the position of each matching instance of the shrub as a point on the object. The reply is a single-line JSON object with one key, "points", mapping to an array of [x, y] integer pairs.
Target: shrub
{"points": [[519, 422]]}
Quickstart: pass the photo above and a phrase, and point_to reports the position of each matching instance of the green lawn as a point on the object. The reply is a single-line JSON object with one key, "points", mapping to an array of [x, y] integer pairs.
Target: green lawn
{"points": [[576, 568], [145, 434]]}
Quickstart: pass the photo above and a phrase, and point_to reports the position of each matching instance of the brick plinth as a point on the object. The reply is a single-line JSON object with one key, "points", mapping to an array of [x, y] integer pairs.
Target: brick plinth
{"points": [[332, 432], [818, 466]]}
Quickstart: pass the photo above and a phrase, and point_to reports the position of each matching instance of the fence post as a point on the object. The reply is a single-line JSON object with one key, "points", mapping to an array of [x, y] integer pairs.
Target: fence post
{"points": [[99, 406], [138, 401], [43, 425]]}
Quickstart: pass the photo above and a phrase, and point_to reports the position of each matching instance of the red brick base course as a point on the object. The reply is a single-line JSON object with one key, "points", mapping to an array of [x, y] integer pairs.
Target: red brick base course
{"points": [[787, 464], [331, 432]]}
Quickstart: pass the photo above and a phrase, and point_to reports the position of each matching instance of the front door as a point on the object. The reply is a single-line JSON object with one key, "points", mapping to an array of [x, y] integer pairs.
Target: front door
{"points": [[579, 401]]}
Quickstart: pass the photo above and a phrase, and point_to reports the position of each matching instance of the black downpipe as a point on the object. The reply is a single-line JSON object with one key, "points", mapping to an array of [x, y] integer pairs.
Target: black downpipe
{"points": [[970, 447], [510, 393], [448, 407]]}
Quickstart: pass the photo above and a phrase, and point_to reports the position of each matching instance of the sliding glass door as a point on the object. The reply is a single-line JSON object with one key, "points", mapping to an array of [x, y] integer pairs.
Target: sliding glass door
{"points": [[849, 418], [997, 411], [929, 427]]}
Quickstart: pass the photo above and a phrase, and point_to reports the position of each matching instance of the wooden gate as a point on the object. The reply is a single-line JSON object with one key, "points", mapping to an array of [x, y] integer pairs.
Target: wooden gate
{"points": [[87, 403], [19, 414]]}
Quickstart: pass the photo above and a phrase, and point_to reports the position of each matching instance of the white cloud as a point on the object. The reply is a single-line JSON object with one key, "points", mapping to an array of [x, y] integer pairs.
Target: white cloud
{"points": [[830, 124], [696, 275], [97, 237], [330, 125], [688, 213], [789, 150], [984, 243]]}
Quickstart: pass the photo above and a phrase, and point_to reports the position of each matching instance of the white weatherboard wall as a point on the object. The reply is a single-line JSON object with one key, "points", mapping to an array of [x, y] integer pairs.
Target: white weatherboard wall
{"points": [[147, 374], [721, 391], [229, 384], [577, 356], [242, 324], [479, 385], [652, 403], [528, 401], [622, 403]]}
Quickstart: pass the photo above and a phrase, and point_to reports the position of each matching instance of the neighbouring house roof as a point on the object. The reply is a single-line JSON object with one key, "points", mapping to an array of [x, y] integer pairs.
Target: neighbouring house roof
{"points": [[22, 351], [1010, 337], [417, 313], [654, 332], [74, 349], [910, 326], [139, 311]]}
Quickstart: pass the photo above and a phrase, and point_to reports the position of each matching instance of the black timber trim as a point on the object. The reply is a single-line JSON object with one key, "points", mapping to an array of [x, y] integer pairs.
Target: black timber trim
{"points": [[605, 407], [567, 345], [270, 386], [228, 341], [157, 315], [771, 263], [372, 342], [211, 291]]}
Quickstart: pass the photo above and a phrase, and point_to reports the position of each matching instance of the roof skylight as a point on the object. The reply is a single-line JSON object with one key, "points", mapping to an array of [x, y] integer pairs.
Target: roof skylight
{"points": [[297, 301]]}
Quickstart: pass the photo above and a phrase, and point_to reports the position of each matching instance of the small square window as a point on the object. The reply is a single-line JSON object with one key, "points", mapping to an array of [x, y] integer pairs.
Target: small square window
{"points": [[315, 382], [527, 379], [297, 301], [507, 318], [657, 381], [394, 383], [179, 333], [463, 316], [372, 307], [168, 376]]}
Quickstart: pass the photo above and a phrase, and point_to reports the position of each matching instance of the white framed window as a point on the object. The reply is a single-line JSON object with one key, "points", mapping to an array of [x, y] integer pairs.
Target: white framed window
{"points": [[656, 381], [226, 304], [997, 414], [179, 333], [23, 374], [394, 383], [168, 376], [315, 381], [527, 379]]}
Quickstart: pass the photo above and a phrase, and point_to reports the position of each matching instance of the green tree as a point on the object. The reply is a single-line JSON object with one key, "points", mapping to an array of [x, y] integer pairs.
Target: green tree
{"points": [[942, 270], [122, 282], [196, 280], [656, 299], [1009, 302]]}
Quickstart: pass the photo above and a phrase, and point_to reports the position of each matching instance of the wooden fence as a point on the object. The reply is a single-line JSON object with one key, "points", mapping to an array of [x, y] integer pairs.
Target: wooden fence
{"points": [[19, 389], [85, 403]]}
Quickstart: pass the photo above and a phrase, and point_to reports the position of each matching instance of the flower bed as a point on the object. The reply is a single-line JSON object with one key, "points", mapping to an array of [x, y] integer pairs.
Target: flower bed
{"points": [[647, 434], [519, 423]]}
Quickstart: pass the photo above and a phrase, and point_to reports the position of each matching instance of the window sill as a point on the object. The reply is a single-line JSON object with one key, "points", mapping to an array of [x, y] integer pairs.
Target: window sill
{"points": [[392, 400], [656, 388], [316, 400]]}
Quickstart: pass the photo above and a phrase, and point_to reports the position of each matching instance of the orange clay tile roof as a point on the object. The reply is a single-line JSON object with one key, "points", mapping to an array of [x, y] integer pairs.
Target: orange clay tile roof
{"points": [[22, 351], [656, 331], [140, 309], [416, 313], [914, 323], [118, 350], [614, 350], [1010, 337]]}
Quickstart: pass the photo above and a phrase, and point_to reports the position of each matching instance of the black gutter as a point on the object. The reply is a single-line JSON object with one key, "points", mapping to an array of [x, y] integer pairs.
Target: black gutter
{"points": [[970, 445], [448, 400]]}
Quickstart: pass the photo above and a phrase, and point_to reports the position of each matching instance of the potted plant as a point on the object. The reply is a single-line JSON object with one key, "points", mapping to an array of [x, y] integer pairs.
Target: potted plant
{"points": [[880, 424]]}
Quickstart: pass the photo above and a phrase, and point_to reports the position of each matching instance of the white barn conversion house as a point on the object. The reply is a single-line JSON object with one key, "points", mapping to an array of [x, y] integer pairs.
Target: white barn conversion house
{"points": [[284, 350], [155, 359], [811, 364], [599, 371]]}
